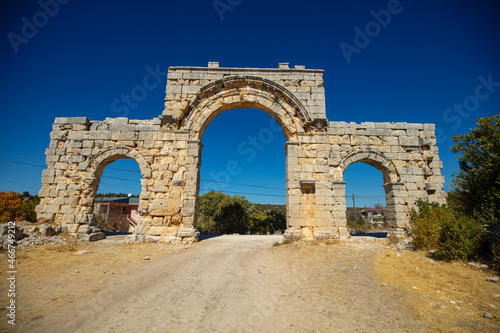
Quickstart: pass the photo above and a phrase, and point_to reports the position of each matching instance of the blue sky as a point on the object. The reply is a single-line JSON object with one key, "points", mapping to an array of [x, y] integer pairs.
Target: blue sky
{"points": [[76, 61]]}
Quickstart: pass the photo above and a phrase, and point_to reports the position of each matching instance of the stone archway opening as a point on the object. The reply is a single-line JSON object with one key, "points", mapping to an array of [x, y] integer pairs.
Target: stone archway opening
{"points": [[396, 207], [117, 214], [366, 208], [250, 168], [117, 195]]}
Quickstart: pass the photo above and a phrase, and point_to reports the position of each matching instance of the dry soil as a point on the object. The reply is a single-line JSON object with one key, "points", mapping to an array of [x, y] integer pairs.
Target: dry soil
{"points": [[241, 284]]}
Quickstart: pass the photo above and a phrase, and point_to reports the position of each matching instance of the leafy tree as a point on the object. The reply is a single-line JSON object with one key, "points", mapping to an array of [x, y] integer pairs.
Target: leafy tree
{"points": [[28, 208], [220, 213], [276, 221], [477, 185], [11, 206]]}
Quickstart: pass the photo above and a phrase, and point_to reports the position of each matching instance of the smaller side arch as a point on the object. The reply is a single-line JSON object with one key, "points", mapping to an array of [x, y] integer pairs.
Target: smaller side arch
{"points": [[377, 160], [107, 156], [100, 161]]}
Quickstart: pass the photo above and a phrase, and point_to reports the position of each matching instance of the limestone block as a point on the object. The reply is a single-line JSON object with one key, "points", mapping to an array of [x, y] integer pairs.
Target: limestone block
{"points": [[320, 168], [293, 233], [178, 179], [324, 200], [187, 232], [323, 234], [72, 120], [48, 176], [307, 232], [99, 135], [188, 211], [160, 188], [52, 209]]}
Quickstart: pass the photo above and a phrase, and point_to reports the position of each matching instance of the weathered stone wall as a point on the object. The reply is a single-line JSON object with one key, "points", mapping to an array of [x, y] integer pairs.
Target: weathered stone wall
{"points": [[406, 154], [188, 85], [168, 150], [80, 149]]}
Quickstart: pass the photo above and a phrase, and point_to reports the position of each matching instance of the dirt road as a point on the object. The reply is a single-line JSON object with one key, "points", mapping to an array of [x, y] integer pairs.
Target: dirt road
{"points": [[243, 284]]}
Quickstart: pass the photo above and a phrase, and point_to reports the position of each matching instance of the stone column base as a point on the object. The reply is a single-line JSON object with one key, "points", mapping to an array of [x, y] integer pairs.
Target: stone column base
{"points": [[293, 234], [167, 235], [312, 233], [397, 232], [90, 233]]}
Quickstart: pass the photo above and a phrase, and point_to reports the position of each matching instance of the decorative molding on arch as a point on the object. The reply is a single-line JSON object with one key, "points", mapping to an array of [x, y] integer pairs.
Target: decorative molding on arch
{"points": [[107, 156], [377, 160], [244, 92]]}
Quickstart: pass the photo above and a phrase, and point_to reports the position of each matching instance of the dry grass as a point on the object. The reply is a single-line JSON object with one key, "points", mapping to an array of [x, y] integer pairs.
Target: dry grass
{"points": [[439, 284], [47, 281]]}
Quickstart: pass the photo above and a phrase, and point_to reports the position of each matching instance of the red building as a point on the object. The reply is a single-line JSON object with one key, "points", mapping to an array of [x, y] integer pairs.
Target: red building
{"points": [[117, 214]]}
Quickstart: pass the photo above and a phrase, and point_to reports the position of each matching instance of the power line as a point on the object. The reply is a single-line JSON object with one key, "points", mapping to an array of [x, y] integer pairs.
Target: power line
{"points": [[130, 180], [33, 158], [10, 181], [124, 179], [129, 187], [133, 171], [135, 181], [43, 159], [267, 187], [264, 195], [36, 165], [205, 180]]}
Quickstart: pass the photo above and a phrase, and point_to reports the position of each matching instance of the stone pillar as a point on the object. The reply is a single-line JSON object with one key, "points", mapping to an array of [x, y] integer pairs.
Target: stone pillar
{"points": [[190, 193], [339, 210], [293, 192], [397, 208]]}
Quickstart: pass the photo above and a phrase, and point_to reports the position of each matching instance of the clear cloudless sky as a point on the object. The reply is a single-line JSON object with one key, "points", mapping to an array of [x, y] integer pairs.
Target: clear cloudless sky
{"points": [[86, 54]]}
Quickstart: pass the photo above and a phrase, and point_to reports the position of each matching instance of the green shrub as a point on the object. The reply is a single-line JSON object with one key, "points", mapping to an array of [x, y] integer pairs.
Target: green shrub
{"points": [[496, 256], [426, 224], [459, 239], [453, 235], [28, 209]]}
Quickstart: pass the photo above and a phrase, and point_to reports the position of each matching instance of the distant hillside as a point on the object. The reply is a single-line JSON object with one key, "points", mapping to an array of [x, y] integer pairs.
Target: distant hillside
{"points": [[265, 207]]}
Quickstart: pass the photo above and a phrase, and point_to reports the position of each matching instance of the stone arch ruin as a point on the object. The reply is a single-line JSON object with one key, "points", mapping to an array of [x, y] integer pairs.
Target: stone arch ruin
{"points": [[168, 151]]}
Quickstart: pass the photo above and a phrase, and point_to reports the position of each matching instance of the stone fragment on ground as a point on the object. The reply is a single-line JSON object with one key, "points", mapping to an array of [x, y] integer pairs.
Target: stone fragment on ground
{"points": [[488, 315]]}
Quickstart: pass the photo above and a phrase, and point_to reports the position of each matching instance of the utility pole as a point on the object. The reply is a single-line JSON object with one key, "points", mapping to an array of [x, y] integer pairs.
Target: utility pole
{"points": [[355, 217]]}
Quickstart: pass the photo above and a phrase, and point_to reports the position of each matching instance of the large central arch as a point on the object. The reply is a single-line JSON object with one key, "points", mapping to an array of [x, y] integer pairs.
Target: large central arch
{"points": [[245, 92], [239, 92]]}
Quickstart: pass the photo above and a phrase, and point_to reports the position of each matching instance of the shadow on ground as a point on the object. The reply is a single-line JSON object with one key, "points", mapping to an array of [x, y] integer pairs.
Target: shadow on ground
{"points": [[372, 234]]}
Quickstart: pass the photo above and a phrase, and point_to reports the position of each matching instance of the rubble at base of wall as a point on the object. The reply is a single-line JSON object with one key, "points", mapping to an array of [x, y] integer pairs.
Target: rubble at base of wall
{"points": [[33, 235]]}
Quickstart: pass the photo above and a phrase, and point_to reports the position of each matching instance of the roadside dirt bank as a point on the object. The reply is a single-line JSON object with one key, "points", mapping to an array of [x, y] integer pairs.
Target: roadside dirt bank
{"points": [[223, 284]]}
